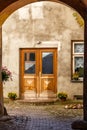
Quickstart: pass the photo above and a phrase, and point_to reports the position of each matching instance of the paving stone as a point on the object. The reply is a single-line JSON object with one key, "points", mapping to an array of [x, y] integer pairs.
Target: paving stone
{"points": [[46, 117]]}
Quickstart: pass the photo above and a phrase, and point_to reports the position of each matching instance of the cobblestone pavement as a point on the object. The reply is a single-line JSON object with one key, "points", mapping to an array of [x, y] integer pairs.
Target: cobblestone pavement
{"points": [[42, 117]]}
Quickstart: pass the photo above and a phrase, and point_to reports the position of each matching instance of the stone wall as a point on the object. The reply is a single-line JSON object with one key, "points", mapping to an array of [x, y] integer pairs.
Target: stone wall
{"points": [[41, 21]]}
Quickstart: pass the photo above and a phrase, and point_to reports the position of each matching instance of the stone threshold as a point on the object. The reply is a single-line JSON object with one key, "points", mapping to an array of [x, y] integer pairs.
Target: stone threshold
{"points": [[38, 101]]}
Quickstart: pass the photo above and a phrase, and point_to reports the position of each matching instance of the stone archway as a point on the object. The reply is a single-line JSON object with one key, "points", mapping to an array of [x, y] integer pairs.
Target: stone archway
{"points": [[10, 6], [7, 7]]}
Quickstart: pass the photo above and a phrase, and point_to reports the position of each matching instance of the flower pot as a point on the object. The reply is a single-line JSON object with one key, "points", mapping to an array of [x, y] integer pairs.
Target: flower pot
{"points": [[63, 99]]}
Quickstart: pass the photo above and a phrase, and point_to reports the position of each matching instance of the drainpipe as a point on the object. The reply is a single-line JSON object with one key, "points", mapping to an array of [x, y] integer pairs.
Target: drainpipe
{"points": [[1, 86], [85, 72]]}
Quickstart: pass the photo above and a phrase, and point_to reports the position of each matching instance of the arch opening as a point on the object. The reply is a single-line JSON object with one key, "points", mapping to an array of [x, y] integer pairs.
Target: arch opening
{"points": [[18, 4], [47, 25]]}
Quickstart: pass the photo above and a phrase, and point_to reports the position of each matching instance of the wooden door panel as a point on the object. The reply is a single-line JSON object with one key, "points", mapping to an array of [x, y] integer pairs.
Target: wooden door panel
{"points": [[38, 73], [48, 77], [28, 73], [30, 84], [47, 84]]}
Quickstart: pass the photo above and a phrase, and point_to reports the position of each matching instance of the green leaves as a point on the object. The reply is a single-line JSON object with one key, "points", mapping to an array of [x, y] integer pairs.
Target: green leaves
{"points": [[12, 95], [62, 95], [6, 74], [79, 19]]}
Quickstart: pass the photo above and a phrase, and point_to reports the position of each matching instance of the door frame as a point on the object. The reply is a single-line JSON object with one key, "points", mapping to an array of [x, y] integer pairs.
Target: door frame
{"points": [[21, 67]]}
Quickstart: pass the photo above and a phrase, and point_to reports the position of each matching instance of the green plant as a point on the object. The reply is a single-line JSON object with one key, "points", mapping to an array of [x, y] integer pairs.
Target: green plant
{"points": [[6, 74], [79, 19], [76, 76], [12, 95], [62, 96]]}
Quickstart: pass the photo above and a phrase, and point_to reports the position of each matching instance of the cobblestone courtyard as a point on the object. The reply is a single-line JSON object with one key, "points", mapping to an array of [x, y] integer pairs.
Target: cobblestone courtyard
{"points": [[39, 117]]}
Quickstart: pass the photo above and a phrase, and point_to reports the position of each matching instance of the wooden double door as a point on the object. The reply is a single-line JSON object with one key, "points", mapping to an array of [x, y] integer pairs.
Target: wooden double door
{"points": [[38, 73]]}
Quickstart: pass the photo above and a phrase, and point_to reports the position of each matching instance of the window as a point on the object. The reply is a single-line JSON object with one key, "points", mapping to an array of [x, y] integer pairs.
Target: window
{"points": [[77, 60], [30, 63]]}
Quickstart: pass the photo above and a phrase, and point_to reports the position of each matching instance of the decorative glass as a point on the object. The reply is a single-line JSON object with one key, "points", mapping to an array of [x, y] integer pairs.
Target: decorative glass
{"points": [[79, 65], [79, 48], [47, 63]]}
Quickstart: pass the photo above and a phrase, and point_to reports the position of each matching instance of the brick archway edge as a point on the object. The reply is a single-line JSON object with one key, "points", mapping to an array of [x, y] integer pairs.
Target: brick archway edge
{"points": [[9, 6]]}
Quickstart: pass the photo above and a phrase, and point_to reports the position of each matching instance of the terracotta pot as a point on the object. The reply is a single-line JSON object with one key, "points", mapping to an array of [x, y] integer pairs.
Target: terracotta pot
{"points": [[63, 99]]}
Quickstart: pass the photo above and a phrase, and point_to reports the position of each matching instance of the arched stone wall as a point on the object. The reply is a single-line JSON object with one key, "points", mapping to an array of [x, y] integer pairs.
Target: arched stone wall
{"points": [[7, 7], [49, 25]]}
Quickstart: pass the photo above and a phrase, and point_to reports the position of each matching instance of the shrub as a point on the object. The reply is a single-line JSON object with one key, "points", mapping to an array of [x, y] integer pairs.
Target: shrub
{"points": [[12, 95], [76, 76], [62, 95]]}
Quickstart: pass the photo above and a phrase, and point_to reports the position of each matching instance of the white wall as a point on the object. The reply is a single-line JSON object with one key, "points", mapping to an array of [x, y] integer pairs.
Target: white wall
{"points": [[44, 21]]}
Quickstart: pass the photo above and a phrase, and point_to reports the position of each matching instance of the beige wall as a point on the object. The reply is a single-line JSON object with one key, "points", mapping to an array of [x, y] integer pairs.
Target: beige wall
{"points": [[45, 21]]}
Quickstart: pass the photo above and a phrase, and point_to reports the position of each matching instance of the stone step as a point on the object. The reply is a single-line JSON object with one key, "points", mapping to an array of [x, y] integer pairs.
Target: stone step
{"points": [[37, 101]]}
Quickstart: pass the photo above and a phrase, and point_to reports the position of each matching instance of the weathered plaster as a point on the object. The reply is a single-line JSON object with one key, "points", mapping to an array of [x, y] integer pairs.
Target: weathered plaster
{"points": [[57, 24]]}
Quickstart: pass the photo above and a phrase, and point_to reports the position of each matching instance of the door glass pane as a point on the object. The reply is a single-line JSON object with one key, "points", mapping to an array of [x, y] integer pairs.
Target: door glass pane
{"points": [[47, 63], [25, 57], [32, 56], [29, 63]]}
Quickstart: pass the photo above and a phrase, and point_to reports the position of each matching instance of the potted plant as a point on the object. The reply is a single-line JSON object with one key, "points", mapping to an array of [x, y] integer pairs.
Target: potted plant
{"points": [[75, 76], [6, 74], [62, 96], [12, 95]]}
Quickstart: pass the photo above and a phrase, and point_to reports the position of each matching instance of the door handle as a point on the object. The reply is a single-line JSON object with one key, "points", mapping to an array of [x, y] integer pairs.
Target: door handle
{"points": [[40, 74]]}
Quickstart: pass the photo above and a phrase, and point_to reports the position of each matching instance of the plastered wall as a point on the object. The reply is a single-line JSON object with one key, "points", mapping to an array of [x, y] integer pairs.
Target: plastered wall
{"points": [[41, 21]]}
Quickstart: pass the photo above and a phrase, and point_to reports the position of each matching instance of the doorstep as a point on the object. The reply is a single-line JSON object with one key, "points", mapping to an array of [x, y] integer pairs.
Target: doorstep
{"points": [[38, 101]]}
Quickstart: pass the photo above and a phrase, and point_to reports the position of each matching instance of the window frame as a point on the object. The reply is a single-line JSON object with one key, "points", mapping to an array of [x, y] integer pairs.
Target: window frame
{"points": [[73, 55]]}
